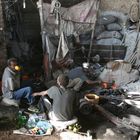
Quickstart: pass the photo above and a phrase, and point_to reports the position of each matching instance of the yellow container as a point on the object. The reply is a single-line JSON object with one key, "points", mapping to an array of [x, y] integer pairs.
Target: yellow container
{"points": [[92, 98]]}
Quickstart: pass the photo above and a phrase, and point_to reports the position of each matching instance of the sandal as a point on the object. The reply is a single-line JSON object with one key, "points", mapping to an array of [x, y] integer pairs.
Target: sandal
{"points": [[33, 109]]}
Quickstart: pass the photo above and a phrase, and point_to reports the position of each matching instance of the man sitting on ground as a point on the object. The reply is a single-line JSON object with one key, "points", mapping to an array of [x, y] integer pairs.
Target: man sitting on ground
{"points": [[62, 107], [11, 83]]}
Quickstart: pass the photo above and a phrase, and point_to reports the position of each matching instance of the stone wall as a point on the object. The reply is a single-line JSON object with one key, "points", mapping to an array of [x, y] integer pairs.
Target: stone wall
{"points": [[31, 22], [3, 57], [3, 50], [1, 16], [117, 5]]}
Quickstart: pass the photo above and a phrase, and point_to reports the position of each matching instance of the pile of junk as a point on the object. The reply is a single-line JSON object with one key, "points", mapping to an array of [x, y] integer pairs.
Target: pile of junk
{"points": [[70, 38]]}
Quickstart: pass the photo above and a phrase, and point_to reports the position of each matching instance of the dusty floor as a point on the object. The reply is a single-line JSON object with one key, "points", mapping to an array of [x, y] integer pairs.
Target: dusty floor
{"points": [[100, 127], [8, 135]]}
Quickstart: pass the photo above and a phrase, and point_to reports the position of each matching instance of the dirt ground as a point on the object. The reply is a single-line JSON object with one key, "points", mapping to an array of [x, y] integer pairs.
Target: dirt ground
{"points": [[100, 127], [96, 123], [8, 135]]}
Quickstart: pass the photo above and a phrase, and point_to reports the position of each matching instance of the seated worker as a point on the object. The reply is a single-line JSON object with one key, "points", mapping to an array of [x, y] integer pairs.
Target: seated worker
{"points": [[63, 98], [83, 73], [11, 83], [63, 68]]}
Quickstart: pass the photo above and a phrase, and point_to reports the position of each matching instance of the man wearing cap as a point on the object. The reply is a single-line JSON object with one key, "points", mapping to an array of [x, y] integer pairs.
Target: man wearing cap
{"points": [[11, 83]]}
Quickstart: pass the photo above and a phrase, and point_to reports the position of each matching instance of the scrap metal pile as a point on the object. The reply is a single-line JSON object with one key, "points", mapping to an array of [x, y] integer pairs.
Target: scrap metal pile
{"points": [[126, 114]]}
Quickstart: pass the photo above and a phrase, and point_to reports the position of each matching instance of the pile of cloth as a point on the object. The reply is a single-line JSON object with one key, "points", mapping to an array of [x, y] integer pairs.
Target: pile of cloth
{"points": [[37, 124], [119, 71]]}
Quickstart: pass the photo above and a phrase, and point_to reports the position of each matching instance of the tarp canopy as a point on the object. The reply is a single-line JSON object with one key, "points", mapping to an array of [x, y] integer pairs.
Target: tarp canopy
{"points": [[71, 21], [76, 19]]}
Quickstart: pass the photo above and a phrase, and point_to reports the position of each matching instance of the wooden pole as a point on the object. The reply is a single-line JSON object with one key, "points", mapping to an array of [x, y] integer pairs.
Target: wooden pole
{"points": [[43, 34], [92, 35], [40, 6]]}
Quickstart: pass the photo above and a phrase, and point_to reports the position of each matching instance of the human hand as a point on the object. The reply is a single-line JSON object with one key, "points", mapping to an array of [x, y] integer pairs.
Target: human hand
{"points": [[34, 94], [98, 82]]}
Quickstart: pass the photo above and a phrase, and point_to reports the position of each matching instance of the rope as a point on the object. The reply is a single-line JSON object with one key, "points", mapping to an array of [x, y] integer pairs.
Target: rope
{"points": [[56, 11]]}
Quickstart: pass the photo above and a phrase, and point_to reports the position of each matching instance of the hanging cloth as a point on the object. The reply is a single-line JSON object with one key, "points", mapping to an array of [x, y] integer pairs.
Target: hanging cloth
{"points": [[63, 49]]}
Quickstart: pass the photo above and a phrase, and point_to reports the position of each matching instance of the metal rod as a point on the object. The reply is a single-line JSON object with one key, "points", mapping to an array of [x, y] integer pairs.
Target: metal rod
{"points": [[92, 35]]}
